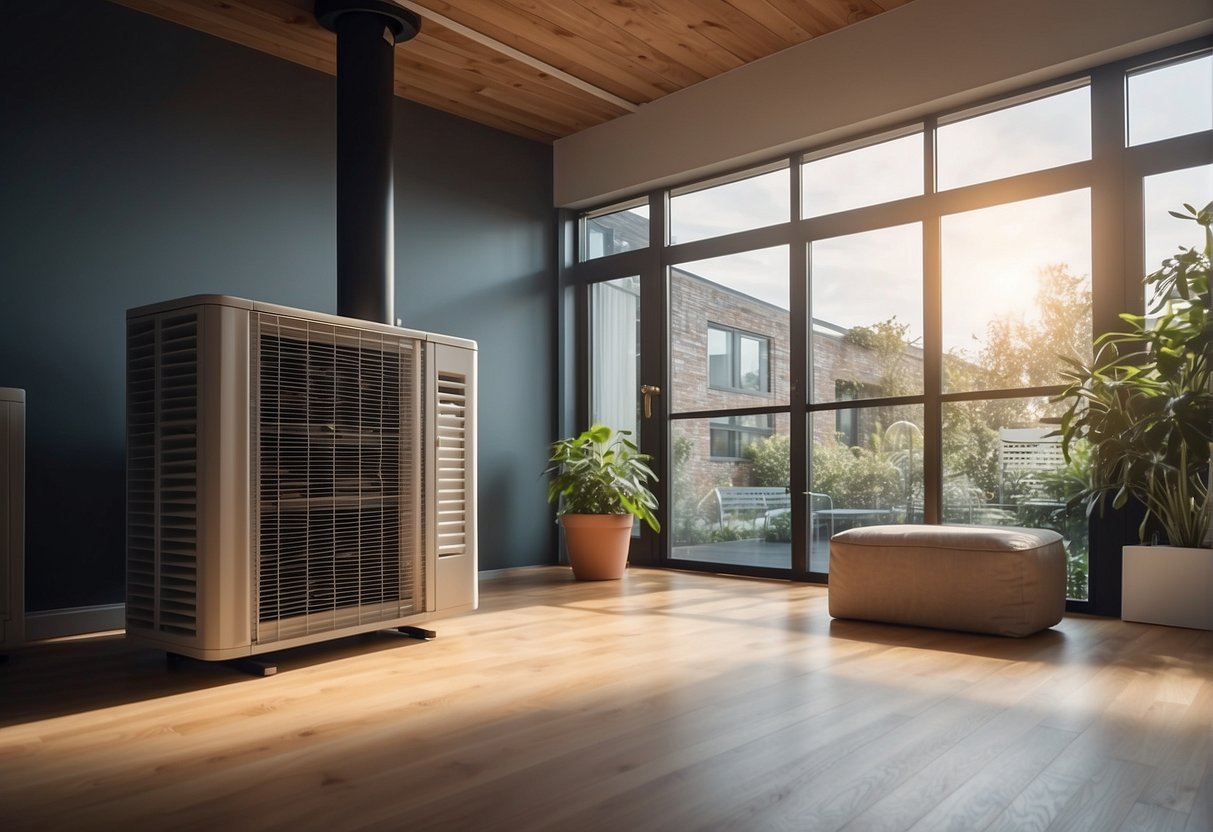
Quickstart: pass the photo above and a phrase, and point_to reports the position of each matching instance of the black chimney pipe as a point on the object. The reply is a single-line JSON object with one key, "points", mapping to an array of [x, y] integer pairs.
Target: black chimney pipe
{"points": [[367, 32]]}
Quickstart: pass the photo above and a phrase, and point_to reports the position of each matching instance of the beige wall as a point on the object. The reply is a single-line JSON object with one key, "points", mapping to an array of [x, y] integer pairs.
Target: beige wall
{"points": [[916, 59]]}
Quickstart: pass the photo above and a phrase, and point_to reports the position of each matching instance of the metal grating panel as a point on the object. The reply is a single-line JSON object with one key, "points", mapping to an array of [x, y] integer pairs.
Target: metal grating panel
{"points": [[162, 474], [177, 464], [451, 465], [141, 473], [337, 515]]}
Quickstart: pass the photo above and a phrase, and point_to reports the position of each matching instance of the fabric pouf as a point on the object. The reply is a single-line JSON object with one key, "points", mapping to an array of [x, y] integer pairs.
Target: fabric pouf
{"points": [[983, 579]]}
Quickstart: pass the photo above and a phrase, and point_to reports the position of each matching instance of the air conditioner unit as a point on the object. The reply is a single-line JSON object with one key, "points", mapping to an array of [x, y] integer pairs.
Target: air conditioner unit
{"points": [[293, 476]]}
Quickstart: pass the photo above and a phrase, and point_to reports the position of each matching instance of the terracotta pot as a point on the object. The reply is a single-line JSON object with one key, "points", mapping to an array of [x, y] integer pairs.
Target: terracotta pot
{"points": [[597, 544]]}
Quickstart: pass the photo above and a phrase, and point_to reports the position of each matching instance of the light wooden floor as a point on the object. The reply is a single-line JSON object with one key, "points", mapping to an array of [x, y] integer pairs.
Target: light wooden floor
{"points": [[666, 701]]}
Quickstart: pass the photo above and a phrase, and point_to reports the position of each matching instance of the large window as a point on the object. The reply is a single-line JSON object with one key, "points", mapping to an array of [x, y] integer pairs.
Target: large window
{"points": [[613, 230], [1010, 137], [865, 292], [872, 330], [1172, 98], [842, 178], [729, 205], [1016, 292]]}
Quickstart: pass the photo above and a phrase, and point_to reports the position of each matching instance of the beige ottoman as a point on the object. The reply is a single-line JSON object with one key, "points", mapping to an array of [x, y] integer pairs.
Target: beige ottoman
{"points": [[984, 579]]}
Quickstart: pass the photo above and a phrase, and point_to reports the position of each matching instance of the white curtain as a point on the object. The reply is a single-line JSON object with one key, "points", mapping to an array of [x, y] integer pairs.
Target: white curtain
{"points": [[615, 346]]}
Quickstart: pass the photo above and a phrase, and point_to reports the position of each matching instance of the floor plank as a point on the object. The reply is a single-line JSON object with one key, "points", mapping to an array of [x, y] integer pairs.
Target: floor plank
{"points": [[664, 701]]}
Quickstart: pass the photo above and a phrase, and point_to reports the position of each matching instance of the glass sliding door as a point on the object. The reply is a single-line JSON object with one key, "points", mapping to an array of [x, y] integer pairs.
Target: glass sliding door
{"points": [[730, 347]]}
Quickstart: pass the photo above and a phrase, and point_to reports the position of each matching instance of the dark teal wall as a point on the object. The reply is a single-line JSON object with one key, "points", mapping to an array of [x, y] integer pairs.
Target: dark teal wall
{"points": [[141, 161]]}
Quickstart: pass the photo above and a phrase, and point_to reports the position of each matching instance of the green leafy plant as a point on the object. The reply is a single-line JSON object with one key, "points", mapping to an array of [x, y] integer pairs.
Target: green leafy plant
{"points": [[778, 528], [728, 533], [1145, 402], [601, 471]]}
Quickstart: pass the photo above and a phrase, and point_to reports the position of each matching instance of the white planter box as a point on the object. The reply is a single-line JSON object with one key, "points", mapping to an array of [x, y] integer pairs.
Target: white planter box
{"points": [[1168, 585]]}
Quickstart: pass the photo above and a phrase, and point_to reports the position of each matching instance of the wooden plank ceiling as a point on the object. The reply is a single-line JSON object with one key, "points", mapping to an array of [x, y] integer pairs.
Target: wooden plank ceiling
{"points": [[542, 69]]}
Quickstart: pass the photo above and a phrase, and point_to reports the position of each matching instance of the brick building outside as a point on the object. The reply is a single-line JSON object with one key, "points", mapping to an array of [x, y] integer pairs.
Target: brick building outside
{"points": [[712, 451]]}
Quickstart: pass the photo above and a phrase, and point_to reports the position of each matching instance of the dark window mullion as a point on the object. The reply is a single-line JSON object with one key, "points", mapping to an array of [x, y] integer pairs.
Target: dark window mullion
{"points": [[1001, 393], [1116, 239], [715, 412], [932, 340], [742, 241]]}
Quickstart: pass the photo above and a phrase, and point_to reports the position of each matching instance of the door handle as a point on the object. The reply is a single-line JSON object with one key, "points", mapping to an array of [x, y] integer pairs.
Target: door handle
{"points": [[649, 391]]}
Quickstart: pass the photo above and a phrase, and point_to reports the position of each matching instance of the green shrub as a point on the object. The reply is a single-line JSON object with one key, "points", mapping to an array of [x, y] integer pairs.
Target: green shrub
{"points": [[771, 461], [778, 528], [856, 477]]}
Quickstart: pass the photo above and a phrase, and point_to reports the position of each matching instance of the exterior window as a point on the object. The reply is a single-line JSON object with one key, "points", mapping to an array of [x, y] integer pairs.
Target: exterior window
{"points": [[1175, 99], [1163, 233], [710, 209], [1016, 292], [1014, 138], [613, 230], [731, 435], [854, 177], [738, 360], [866, 301]]}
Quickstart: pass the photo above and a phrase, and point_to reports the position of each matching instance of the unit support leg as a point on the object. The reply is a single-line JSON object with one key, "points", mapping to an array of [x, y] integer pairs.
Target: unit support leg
{"points": [[417, 632], [252, 667]]}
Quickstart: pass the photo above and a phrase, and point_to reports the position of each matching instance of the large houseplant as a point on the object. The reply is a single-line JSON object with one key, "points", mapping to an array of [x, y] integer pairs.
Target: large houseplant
{"points": [[1145, 405], [600, 481]]}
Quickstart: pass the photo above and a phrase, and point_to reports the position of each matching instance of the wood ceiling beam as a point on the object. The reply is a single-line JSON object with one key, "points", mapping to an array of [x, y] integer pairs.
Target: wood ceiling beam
{"points": [[521, 57], [449, 50], [562, 35]]}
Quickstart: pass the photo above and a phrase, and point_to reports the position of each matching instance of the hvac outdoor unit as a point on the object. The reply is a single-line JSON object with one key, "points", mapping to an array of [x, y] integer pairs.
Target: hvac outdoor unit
{"points": [[293, 476]]}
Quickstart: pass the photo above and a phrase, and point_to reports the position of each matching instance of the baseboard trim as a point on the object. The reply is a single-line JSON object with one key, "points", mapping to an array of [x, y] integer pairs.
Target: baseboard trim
{"points": [[74, 621], [505, 572]]}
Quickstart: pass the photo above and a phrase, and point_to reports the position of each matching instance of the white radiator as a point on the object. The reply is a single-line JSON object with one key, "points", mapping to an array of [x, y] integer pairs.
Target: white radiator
{"points": [[293, 476]]}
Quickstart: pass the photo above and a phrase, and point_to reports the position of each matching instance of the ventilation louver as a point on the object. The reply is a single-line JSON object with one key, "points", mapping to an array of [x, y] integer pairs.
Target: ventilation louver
{"points": [[451, 497]]}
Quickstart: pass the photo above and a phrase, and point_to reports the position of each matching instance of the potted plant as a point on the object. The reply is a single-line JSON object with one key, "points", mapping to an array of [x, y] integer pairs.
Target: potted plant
{"points": [[600, 480], [1145, 405]]}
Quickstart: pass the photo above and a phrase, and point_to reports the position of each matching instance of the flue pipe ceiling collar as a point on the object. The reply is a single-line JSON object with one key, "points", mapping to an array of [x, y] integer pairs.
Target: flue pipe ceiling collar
{"points": [[402, 23]]}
